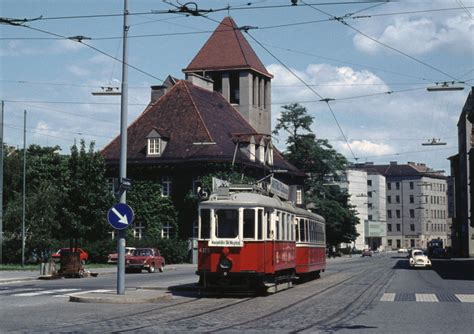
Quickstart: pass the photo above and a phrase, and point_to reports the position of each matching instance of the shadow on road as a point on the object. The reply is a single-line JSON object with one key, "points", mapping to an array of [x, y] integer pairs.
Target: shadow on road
{"points": [[458, 269]]}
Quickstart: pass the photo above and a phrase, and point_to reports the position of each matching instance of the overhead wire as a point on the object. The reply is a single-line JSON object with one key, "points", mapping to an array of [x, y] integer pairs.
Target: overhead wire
{"points": [[343, 21], [93, 48]]}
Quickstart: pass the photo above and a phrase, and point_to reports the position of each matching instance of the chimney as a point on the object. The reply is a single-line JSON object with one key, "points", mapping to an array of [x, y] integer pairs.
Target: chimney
{"points": [[393, 163], [200, 81], [157, 92]]}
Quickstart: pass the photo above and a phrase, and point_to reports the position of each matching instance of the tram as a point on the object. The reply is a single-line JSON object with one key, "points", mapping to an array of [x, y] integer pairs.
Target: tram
{"points": [[250, 239]]}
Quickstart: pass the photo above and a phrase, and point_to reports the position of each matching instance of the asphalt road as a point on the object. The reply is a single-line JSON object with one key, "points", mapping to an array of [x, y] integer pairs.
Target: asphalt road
{"points": [[362, 295]]}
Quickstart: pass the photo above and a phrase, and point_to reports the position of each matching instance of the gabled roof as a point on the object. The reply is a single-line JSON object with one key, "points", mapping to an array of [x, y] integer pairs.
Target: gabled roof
{"points": [[199, 126], [404, 170], [226, 49]]}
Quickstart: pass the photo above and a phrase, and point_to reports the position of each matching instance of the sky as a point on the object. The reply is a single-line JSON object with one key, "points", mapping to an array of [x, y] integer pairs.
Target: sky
{"points": [[373, 60]]}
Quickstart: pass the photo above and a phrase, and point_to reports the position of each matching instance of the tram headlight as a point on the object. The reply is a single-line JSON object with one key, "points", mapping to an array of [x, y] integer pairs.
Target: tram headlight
{"points": [[225, 263]]}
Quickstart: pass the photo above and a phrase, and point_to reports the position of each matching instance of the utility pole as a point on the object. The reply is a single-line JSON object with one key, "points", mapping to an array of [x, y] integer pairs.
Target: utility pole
{"points": [[123, 151], [1, 183], [24, 194]]}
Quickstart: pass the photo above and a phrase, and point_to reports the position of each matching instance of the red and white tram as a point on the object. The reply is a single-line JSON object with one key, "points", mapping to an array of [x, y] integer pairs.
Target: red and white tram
{"points": [[251, 240]]}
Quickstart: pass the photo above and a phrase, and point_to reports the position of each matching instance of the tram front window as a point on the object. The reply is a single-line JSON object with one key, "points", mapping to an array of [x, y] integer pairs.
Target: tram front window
{"points": [[227, 223]]}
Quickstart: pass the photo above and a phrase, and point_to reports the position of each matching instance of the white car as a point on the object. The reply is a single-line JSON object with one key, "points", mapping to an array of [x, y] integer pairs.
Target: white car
{"points": [[418, 259]]}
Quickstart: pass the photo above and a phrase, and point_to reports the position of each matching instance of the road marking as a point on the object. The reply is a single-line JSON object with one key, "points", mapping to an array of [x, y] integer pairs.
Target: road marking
{"points": [[465, 298], [388, 297], [426, 297], [83, 292], [8, 291], [44, 292]]}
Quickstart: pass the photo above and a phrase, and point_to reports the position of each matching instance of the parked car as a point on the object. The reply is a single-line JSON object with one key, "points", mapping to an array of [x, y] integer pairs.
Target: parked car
{"points": [[366, 252], [402, 250], [418, 259], [144, 258], [83, 255], [112, 258]]}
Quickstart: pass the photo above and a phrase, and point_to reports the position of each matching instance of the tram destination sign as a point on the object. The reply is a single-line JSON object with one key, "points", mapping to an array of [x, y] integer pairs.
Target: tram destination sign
{"points": [[279, 189]]}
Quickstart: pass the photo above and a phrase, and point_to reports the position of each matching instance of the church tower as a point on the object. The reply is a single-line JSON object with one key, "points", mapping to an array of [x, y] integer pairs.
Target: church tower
{"points": [[237, 73]]}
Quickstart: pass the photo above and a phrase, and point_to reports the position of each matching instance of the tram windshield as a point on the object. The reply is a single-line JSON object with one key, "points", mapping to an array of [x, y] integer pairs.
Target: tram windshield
{"points": [[227, 223]]}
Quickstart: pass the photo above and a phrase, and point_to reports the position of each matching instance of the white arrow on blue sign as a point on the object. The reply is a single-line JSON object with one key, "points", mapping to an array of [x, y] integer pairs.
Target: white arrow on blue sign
{"points": [[120, 216]]}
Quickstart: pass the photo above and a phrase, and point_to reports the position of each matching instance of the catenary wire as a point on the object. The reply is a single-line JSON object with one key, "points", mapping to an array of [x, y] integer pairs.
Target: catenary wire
{"points": [[341, 20]]}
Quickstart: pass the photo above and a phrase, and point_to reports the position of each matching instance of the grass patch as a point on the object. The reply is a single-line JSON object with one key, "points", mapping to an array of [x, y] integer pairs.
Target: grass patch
{"points": [[12, 266]]}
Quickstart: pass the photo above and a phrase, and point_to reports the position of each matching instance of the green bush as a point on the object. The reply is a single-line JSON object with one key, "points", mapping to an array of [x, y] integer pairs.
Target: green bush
{"points": [[99, 250], [173, 250]]}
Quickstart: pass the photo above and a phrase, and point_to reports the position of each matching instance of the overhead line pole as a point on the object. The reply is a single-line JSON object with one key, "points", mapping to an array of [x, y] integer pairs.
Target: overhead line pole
{"points": [[24, 194], [123, 151], [1, 183]]}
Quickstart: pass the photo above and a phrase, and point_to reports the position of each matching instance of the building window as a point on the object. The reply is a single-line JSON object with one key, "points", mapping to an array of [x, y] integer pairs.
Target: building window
{"points": [[138, 230], [412, 213], [166, 231], [412, 243], [389, 227], [412, 186], [389, 186], [389, 199], [412, 227], [398, 227], [412, 199], [397, 185], [399, 243], [166, 186], [154, 146], [398, 213], [397, 198], [370, 217], [369, 205], [369, 182], [389, 213], [299, 196], [369, 194], [389, 242]]}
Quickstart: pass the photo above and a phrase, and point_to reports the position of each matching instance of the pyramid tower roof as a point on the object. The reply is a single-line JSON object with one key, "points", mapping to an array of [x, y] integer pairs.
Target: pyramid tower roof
{"points": [[227, 49]]}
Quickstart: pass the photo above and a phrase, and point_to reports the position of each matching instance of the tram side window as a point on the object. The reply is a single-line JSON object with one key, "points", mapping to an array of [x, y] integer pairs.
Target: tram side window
{"points": [[277, 226], [269, 223], [297, 230], [205, 224], [302, 232], [227, 223], [249, 223], [284, 230], [260, 224]]}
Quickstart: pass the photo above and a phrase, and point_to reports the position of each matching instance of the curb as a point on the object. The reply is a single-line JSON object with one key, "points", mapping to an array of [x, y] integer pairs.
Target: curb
{"points": [[119, 299], [17, 280]]}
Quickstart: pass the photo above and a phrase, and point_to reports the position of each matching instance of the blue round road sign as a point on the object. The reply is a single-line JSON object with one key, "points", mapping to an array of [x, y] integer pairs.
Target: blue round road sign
{"points": [[120, 216]]}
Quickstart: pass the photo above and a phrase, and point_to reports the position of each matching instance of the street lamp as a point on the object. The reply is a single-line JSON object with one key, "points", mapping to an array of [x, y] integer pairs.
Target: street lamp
{"points": [[445, 86]]}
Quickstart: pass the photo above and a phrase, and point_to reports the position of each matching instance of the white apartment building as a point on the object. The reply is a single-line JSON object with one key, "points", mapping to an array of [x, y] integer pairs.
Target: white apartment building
{"points": [[376, 224], [416, 204]]}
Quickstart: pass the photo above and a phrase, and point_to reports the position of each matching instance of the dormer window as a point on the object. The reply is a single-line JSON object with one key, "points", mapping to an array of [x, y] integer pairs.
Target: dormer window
{"points": [[155, 144]]}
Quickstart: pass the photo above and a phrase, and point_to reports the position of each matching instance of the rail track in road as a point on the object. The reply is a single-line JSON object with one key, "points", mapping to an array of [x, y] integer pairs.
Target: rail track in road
{"points": [[304, 305]]}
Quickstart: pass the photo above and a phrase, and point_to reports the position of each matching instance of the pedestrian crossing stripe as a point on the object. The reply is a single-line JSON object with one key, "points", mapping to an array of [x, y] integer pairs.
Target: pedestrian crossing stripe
{"points": [[43, 292], [427, 297]]}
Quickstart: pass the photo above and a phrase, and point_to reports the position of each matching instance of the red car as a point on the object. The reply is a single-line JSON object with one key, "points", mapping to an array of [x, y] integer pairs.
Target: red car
{"points": [[144, 258], [112, 258], [83, 255]]}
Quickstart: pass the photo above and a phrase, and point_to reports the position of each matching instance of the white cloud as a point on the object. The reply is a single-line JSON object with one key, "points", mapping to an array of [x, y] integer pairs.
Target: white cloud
{"points": [[365, 148], [419, 35]]}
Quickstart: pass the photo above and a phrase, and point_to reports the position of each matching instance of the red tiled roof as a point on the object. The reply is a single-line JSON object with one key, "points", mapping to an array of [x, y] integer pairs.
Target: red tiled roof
{"points": [[191, 118], [227, 48]]}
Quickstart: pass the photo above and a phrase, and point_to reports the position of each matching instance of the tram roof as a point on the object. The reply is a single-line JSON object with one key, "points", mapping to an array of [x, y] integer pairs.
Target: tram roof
{"points": [[257, 200]]}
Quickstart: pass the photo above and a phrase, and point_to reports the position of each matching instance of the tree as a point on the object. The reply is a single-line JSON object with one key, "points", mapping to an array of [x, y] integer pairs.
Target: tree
{"points": [[86, 196], [43, 199], [321, 162]]}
